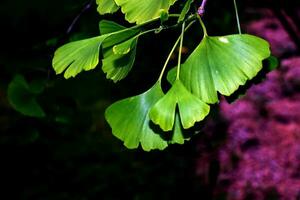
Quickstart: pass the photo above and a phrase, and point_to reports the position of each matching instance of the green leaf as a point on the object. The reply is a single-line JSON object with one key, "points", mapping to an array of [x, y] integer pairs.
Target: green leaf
{"points": [[116, 64], [177, 133], [81, 55], [185, 10], [23, 98], [129, 120], [106, 6], [222, 64], [118, 52], [272, 63], [77, 56], [123, 33], [125, 47], [164, 16], [141, 11], [191, 109]]}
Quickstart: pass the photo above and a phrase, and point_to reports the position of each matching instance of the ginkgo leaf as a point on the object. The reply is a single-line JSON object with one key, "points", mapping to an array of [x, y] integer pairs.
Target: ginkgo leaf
{"points": [[118, 52], [125, 47], [140, 11], [109, 27], [83, 55], [222, 64], [191, 109], [117, 66], [106, 6], [22, 97], [129, 120], [77, 56], [177, 133]]}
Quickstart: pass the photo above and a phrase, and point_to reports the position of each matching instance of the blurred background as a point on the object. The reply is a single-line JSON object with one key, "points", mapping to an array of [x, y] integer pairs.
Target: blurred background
{"points": [[56, 145]]}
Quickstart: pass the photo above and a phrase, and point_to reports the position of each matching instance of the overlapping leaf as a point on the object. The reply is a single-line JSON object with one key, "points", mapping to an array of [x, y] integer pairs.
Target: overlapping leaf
{"points": [[130, 122], [119, 52], [83, 55], [140, 11], [191, 109], [118, 65], [222, 64], [106, 6]]}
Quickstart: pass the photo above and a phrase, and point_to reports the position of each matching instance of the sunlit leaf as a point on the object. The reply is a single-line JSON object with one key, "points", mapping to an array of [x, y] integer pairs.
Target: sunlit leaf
{"points": [[22, 97], [125, 47], [222, 64], [129, 120], [77, 56], [106, 6], [191, 109], [109, 27], [164, 16], [83, 55], [140, 11]]}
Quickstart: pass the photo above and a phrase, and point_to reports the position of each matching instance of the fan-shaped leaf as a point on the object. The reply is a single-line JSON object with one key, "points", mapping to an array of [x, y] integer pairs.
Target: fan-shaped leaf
{"points": [[118, 52], [23, 98], [77, 56], [82, 55], [106, 6], [118, 65], [191, 109], [141, 11], [123, 33], [130, 122], [222, 64], [125, 47]]}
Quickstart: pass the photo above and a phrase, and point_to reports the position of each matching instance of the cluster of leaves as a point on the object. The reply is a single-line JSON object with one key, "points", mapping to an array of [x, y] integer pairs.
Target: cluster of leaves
{"points": [[154, 119]]}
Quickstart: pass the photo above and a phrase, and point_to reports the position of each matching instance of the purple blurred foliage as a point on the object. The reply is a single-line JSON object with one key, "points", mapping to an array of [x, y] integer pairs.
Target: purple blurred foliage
{"points": [[260, 157]]}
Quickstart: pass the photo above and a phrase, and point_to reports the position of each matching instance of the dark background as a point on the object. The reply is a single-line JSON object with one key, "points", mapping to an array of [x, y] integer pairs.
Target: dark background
{"points": [[71, 153]]}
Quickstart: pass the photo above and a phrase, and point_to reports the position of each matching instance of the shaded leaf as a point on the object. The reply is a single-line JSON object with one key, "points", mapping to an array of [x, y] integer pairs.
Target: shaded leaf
{"points": [[140, 11], [222, 64], [191, 109], [185, 10], [177, 133], [106, 6], [117, 66], [129, 120], [118, 52], [23, 99]]}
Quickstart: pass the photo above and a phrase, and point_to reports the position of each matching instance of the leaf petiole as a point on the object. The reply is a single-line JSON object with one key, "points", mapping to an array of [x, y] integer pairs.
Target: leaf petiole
{"points": [[172, 51], [180, 50]]}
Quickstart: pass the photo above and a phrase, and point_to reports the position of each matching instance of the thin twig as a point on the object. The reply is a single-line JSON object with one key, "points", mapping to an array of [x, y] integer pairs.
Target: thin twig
{"points": [[85, 8]]}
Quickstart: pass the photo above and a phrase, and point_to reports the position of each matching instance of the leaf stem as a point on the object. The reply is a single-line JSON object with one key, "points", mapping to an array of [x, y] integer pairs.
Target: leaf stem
{"points": [[180, 50], [237, 16], [172, 51], [202, 25]]}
